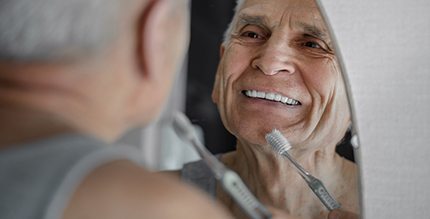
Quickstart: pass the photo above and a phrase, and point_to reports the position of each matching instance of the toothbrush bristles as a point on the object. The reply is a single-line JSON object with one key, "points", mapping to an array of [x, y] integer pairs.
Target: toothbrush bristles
{"points": [[278, 142]]}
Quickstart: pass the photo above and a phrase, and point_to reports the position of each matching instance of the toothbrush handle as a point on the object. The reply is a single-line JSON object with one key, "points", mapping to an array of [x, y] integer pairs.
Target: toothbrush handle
{"points": [[235, 187], [321, 192]]}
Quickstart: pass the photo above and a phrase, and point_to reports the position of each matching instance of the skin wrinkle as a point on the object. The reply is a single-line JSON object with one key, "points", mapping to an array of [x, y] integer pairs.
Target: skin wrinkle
{"points": [[309, 30], [55, 102], [16, 86], [330, 60], [14, 89], [252, 20], [312, 30], [48, 92]]}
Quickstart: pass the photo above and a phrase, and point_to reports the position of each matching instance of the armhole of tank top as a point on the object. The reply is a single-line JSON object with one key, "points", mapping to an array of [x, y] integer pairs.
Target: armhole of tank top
{"points": [[81, 169]]}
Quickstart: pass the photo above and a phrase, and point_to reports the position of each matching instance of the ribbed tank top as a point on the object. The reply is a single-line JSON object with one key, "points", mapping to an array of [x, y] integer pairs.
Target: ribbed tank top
{"points": [[37, 180]]}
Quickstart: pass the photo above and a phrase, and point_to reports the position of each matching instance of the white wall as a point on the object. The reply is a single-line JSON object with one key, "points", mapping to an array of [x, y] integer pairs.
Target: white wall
{"points": [[385, 47]]}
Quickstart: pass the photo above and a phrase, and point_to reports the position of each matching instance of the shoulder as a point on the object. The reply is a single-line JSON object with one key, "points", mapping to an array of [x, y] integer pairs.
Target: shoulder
{"points": [[122, 189], [172, 173], [350, 189]]}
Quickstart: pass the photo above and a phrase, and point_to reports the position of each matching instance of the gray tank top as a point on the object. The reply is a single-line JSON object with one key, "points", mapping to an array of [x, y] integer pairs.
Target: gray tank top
{"points": [[198, 174], [38, 179]]}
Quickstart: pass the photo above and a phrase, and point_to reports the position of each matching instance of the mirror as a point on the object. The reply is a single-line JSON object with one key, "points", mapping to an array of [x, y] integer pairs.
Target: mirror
{"points": [[385, 54], [277, 68]]}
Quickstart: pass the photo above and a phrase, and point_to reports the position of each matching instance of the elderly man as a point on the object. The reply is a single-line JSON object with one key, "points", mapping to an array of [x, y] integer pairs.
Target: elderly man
{"points": [[74, 76], [278, 70]]}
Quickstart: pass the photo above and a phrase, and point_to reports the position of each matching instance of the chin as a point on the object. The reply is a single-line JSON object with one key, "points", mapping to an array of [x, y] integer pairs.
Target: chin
{"points": [[251, 133]]}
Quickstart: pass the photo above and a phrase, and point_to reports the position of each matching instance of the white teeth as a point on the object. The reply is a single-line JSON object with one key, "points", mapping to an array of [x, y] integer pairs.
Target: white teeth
{"points": [[278, 97], [271, 96], [260, 94], [284, 99]]}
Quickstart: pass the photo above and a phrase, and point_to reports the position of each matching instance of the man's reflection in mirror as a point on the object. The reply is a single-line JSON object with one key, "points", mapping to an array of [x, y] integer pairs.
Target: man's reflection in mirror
{"points": [[278, 70]]}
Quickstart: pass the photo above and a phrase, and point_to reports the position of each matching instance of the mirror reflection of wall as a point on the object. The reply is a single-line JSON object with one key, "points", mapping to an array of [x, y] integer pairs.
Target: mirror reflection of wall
{"points": [[295, 62], [386, 52]]}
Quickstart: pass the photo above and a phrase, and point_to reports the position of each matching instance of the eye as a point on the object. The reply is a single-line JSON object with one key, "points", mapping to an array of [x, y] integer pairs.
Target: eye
{"points": [[251, 35], [315, 45], [311, 44]]}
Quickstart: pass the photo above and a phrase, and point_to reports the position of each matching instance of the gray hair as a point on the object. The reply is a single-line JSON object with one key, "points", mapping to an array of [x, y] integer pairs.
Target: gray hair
{"points": [[47, 30], [229, 30]]}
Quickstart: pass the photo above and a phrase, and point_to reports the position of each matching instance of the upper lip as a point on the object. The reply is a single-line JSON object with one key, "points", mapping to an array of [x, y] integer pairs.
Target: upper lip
{"points": [[271, 95]]}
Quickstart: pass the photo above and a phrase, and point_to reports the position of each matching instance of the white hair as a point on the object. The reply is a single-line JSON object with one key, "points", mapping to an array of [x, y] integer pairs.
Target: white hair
{"points": [[46, 30], [229, 30]]}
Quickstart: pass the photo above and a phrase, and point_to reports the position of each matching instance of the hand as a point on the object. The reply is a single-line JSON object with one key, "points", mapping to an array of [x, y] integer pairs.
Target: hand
{"points": [[339, 214]]}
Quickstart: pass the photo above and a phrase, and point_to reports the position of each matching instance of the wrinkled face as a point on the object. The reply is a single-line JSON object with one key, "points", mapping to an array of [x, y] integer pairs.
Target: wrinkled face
{"points": [[279, 70]]}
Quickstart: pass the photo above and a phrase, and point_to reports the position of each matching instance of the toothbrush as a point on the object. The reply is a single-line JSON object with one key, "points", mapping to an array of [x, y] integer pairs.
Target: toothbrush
{"points": [[229, 180], [281, 145]]}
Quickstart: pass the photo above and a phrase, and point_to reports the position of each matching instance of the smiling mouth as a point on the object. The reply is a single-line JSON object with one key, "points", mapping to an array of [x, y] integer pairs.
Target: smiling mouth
{"points": [[272, 97]]}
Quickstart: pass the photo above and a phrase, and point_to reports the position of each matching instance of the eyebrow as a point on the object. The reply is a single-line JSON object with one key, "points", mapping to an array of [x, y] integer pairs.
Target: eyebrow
{"points": [[245, 19], [313, 30]]}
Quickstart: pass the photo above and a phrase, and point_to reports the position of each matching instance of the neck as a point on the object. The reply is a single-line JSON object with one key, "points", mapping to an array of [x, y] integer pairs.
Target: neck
{"points": [[37, 102], [275, 181], [20, 126]]}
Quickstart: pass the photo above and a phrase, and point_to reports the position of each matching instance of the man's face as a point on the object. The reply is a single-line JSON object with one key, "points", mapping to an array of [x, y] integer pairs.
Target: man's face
{"points": [[279, 71]]}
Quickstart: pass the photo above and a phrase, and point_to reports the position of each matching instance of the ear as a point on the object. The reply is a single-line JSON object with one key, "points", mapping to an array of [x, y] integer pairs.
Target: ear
{"points": [[149, 37], [215, 89], [221, 50]]}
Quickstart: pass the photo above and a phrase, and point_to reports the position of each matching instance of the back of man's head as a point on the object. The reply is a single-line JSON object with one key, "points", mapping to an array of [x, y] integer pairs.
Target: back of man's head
{"points": [[44, 30], [62, 57], [51, 83]]}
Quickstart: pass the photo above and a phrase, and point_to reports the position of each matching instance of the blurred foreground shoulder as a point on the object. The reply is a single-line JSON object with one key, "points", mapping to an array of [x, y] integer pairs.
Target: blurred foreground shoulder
{"points": [[122, 189]]}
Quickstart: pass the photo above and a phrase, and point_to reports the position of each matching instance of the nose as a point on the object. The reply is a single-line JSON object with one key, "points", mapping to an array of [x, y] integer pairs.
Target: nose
{"points": [[276, 57]]}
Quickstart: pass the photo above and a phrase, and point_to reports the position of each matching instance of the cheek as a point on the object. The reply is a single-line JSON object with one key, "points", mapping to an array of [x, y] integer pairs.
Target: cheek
{"points": [[320, 77], [235, 61], [233, 64]]}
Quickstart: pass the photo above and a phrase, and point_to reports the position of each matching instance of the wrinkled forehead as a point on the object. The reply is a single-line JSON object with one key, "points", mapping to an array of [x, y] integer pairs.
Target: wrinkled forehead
{"points": [[295, 14]]}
